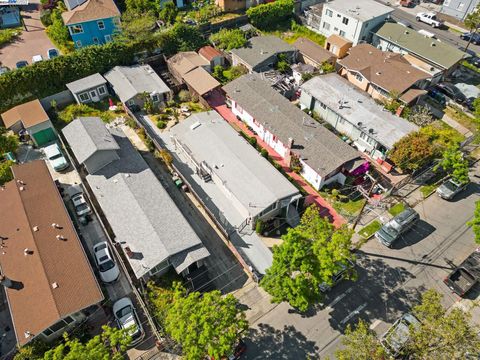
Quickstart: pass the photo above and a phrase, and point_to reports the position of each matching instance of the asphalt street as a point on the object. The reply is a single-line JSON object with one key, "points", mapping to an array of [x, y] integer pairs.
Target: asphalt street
{"points": [[389, 282]]}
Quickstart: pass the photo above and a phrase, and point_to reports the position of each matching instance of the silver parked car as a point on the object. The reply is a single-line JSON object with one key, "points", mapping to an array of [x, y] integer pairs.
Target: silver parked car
{"points": [[392, 230], [450, 188], [80, 204], [55, 157], [109, 271], [126, 317], [395, 339]]}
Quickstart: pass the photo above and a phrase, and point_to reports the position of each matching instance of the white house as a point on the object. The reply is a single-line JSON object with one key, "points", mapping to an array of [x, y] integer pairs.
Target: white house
{"points": [[290, 132], [352, 20]]}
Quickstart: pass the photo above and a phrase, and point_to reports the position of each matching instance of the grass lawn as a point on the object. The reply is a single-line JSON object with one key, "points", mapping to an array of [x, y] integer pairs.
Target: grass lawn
{"points": [[465, 120], [370, 229], [291, 34], [428, 189], [99, 109], [223, 17], [396, 209], [351, 207]]}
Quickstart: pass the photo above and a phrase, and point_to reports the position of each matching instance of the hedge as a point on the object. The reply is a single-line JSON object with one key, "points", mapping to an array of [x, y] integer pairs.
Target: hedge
{"points": [[267, 16], [49, 77]]}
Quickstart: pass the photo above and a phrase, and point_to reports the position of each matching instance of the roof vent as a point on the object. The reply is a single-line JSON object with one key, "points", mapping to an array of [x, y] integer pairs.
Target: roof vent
{"points": [[56, 226], [406, 32], [61, 237], [371, 131], [21, 188], [35, 228], [360, 124], [27, 251], [115, 181], [54, 285], [433, 44], [27, 334], [195, 125], [20, 182], [378, 73]]}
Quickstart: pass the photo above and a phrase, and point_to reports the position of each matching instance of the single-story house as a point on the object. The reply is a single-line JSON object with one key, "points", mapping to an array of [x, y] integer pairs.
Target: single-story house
{"points": [[436, 57], [338, 45], [48, 281], [290, 132], [151, 230], [10, 14], [212, 55], [312, 53], [92, 88], [192, 69], [355, 114], [261, 53], [133, 83], [32, 118], [381, 73]]}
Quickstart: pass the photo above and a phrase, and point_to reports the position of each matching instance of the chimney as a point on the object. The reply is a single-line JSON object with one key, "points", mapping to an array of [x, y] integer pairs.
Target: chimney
{"points": [[6, 281], [27, 251], [290, 143]]}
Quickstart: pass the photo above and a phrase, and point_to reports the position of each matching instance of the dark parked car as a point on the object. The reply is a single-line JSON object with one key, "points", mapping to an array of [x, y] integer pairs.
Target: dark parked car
{"points": [[452, 92], [21, 64], [466, 275], [436, 95], [469, 103], [474, 60], [474, 36]]}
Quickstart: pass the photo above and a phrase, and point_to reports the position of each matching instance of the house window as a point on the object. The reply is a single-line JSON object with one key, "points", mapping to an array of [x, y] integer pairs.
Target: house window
{"points": [[460, 5], [274, 138], [101, 90], [95, 40], [78, 43], [345, 20], [155, 98], [76, 29], [108, 38], [58, 326], [322, 105], [342, 33], [359, 77], [93, 94], [101, 25], [84, 97], [335, 29], [329, 12], [326, 26]]}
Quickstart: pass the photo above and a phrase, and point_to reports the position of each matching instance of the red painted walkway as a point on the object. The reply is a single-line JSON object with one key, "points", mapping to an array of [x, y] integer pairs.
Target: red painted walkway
{"points": [[217, 102]]}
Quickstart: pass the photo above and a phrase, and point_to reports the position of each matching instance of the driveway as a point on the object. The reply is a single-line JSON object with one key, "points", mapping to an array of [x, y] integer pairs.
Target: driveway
{"points": [[32, 41]]}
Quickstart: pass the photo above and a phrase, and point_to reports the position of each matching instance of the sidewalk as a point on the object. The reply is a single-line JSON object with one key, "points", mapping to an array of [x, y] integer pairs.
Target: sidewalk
{"points": [[313, 197]]}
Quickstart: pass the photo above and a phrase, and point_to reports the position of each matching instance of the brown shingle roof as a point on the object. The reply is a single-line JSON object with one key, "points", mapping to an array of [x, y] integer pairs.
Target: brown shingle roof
{"points": [[312, 50], [186, 61], [200, 80], [209, 52], [388, 70], [30, 114], [91, 10], [36, 304]]}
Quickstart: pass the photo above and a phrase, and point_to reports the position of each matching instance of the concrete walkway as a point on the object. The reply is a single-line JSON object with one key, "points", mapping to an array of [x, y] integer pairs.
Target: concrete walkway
{"points": [[457, 126], [313, 197]]}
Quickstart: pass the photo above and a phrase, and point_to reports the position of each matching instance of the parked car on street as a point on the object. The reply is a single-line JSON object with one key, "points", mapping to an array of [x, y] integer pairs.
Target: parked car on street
{"points": [[475, 37], [109, 271], [395, 339], [452, 92], [4, 70], [392, 230], [37, 58], [20, 64], [429, 18], [52, 53], [127, 318], [466, 275], [450, 188], [55, 157], [338, 277], [80, 204]]}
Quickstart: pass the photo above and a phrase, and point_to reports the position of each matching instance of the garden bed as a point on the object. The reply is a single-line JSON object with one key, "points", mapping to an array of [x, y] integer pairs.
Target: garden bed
{"points": [[367, 231], [396, 209]]}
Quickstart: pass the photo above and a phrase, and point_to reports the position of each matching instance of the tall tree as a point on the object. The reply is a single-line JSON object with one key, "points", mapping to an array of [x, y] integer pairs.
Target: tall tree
{"points": [[472, 21], [110, 344], [475, 222], [455, 164], [412, 151], [169, 12], [8, 142], [360, 343], [229, 39], [442, 334], [309, 256], [204, 324], [137, 29]]}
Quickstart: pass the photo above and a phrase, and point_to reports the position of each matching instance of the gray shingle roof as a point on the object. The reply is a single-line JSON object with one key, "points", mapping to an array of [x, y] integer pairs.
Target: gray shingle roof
{"points": [[87, 135], [322, 150], [141, 213], [359, 107], [86, 83], [128, 81], [252, 180], [261, 48]]}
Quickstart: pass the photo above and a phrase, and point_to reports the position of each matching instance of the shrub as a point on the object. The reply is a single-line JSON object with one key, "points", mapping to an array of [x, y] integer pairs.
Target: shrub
{"points": [[46, 17], [161, 124], [8, 35], [266, 16], [229, 39], [58, 32], [259, 226], [253, 141], [5, 171], [184, 96], [131, 123], [264, 153], [149, 143]]}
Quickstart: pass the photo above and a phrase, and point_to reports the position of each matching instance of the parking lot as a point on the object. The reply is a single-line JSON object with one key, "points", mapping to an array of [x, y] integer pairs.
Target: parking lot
{"points": [[32, 41]]}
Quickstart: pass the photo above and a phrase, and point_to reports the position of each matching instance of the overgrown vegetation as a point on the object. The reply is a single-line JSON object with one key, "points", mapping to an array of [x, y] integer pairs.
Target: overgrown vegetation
{"points": [[73, 111], [58, 32], [9, 35], [226, 75], [268, 16], [229, 39], [370, 229]]}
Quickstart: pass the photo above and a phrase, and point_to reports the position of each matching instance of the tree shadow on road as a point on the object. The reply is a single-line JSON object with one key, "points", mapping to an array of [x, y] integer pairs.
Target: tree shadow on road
{"points": [[266, 342]]}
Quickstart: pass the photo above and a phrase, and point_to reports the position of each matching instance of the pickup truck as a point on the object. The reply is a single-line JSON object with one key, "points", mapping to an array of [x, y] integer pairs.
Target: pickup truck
{"points": [[466, 275], [429, 18]]}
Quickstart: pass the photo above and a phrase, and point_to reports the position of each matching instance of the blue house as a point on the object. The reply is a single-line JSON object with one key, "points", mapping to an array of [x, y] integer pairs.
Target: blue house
{"points": [[91, 22]]}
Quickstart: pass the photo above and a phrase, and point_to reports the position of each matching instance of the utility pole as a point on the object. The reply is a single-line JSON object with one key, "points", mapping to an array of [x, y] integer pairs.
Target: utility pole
{"points": [[365, 204]]}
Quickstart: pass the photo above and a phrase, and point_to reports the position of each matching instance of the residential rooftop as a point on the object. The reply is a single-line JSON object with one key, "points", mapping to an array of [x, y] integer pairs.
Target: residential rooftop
{"points": [[51, 277], [356, 107], [30, 114], [91, 10], [129, 81], [186, 61], [438, 52], [322, 150], [140, 211], [249, 177], [86, 83], [209, 53], [261, 48], [362, 10], [313, 50]]}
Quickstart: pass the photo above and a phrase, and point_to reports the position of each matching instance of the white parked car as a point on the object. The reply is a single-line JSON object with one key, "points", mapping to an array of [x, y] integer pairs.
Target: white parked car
{"points": [[37, 58], [429, 18], [55, 157], [109, 271], [127, 318], [81, 205]]}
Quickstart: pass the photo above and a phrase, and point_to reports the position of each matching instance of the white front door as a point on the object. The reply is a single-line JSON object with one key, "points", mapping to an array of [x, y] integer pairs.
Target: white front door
{"points": [[94, 96]]}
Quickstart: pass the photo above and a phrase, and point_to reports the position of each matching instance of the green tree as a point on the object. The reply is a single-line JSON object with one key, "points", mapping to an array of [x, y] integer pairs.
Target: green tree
{"points": [[169, 12], [475, 222], [32, 351], [412, 151], [228, 39], [267, 16], [456, 165], [472, 22], [142, 6], [218, 73], [58, 32], [8, 141], [204, 324], [442, 334], [137, 29], [360, 343], [309, 256], [5, 171], [327, 68], [180, 37], [234, 72], [110, 344], [282, 63]]}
